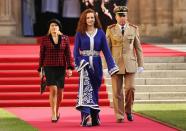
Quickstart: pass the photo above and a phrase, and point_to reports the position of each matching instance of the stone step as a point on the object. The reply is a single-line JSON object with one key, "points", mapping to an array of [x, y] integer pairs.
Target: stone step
{"points": [[176, 59], [155, 39], [155, 81], [20, 40], [158, 101], [157, 96], [160, 81], [160, 96], [165, 66], [146, 98], [159, 74], [162, 74], [155, 88], [162, 88], [177, 46], [154, 102]]}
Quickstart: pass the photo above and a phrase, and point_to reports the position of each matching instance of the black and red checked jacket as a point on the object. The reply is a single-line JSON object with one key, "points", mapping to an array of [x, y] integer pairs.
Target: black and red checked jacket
{"points": [[55, 55]]}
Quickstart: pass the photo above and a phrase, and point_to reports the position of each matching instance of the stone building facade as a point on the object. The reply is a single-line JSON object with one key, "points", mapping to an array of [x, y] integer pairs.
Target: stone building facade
{"points": [[160, 18], [10, 18], [155, 18]]}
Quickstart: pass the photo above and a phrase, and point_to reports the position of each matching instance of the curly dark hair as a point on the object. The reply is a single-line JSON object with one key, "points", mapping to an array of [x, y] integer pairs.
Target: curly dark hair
{"points": [[82, 25]]}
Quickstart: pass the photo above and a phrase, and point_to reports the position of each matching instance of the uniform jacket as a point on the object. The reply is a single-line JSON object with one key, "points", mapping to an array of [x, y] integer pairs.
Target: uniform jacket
{"points": [[126, 49]]}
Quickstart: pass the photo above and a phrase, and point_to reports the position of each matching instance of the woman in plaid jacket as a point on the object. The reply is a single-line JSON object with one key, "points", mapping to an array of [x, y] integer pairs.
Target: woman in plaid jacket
{"points": [[56, 61]]}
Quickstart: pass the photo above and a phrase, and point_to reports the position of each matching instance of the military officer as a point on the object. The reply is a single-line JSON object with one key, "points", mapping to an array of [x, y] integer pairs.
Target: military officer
{"points": [[124, 43]]}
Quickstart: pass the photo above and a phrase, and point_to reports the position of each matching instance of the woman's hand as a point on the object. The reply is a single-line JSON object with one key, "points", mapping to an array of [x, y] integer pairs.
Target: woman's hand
{"points": [[41, 74], [69, 73]]}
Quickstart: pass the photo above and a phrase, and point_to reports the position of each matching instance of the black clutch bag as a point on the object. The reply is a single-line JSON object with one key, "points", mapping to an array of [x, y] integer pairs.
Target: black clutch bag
{"points": [[43, 83]]}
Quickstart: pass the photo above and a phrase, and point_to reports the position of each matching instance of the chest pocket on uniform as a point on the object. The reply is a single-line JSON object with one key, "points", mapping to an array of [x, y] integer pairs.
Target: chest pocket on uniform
{"points": [[116, 46], [130, 38], [117, 40]]}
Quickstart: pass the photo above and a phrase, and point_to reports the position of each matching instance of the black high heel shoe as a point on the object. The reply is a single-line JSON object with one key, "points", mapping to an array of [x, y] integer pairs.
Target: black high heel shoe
{"points": [[58, 117], [55, 121]]}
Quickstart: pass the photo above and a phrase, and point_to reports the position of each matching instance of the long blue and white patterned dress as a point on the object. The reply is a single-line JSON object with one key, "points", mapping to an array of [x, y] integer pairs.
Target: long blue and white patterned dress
{"points": [[88, 63]]}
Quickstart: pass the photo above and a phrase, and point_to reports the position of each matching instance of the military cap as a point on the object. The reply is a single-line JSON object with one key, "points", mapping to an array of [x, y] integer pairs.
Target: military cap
{"points": [[120, 10]]}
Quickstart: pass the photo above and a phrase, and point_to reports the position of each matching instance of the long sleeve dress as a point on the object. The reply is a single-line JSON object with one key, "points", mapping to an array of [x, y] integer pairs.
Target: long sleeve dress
{"points": [[88, 63]]}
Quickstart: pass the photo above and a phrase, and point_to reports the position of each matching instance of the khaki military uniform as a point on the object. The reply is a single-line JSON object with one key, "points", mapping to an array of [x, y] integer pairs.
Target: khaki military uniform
{"points": [[127, 52]]}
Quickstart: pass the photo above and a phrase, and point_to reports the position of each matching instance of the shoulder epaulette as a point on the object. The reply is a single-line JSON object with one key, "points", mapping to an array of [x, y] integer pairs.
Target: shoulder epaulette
{"points": [[110, 26], [135, 26]]}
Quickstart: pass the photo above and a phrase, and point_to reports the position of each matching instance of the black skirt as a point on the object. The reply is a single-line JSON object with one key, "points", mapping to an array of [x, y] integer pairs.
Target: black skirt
{"points": [[55, 75]]}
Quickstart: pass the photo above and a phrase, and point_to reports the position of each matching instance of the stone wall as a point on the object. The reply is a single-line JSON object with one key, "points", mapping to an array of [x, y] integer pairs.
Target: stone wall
{"points": [[159, 18], [10, 17], [155, 18]]}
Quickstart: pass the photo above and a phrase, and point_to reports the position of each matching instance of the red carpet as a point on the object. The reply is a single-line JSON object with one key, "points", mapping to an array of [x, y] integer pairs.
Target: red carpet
{"points": [[154, 50], [19, 81], [70, 119], [31, 51]]}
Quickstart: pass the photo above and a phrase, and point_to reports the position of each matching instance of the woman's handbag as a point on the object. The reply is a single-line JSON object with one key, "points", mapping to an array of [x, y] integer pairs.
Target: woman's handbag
{"points": [[43, 83]]}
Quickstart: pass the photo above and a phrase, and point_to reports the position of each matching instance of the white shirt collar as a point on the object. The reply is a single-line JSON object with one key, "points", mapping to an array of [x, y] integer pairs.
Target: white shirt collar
{"points": [[121, 26]]}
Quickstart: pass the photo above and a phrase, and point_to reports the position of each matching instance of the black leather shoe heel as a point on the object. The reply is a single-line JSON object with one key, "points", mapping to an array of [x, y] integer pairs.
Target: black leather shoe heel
{"points": [[129, 117], [58, 117], [54, 121]]}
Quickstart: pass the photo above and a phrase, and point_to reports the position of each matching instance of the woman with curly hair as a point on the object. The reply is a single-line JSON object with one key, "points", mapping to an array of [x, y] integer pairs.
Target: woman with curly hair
{"points": [[90, 40]]}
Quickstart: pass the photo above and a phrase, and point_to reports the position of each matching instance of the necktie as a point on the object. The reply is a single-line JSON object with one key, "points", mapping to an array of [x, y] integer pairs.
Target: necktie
{"points": [[122, 30]]}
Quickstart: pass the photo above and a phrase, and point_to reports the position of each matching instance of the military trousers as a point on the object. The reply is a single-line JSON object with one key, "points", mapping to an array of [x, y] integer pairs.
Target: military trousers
{"points": [[123, 93]]}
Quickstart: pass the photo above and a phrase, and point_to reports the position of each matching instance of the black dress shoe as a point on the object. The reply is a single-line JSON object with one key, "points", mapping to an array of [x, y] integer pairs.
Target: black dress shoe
{"points": [[129, 117], [95, 118], [96, 122]]}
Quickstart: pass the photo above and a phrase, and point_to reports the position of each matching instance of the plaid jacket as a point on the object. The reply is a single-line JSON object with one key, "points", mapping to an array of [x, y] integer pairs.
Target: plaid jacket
{"points": [[55, 55]]}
